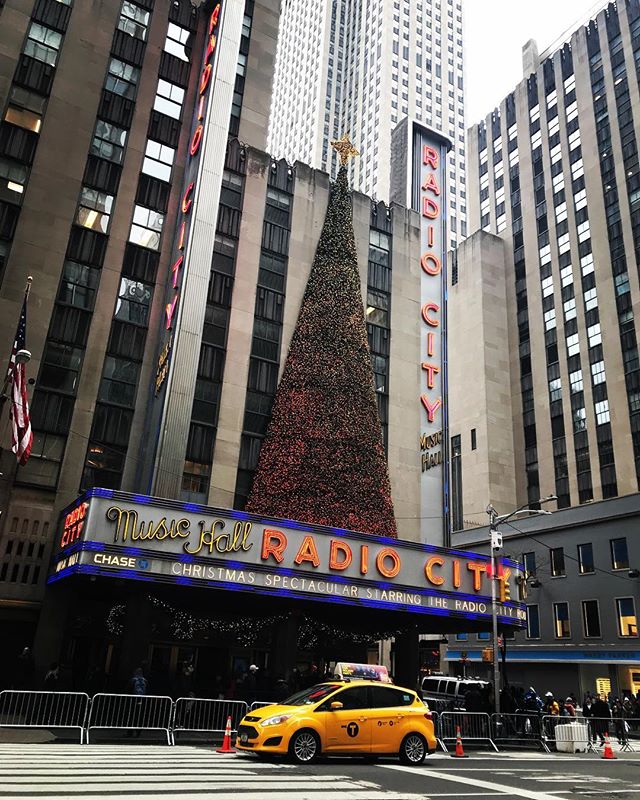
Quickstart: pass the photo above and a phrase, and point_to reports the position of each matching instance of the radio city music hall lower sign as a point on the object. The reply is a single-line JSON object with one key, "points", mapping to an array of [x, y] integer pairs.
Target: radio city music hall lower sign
{"points": [[132, 536]]}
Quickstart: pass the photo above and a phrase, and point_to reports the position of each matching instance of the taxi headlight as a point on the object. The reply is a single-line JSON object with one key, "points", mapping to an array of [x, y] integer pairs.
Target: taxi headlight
{"points": [[277, 720]]}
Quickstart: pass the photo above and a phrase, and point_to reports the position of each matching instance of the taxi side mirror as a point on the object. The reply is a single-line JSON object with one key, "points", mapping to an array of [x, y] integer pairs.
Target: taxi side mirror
{"points": [[336, 705]]}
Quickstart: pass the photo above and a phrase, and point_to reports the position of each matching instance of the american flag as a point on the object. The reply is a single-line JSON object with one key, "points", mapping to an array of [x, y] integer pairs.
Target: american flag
{"points": [[21, 433]]}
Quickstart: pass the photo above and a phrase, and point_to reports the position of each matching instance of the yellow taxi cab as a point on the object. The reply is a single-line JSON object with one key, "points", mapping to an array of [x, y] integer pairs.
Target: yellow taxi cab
{"points": [[342, 717]]}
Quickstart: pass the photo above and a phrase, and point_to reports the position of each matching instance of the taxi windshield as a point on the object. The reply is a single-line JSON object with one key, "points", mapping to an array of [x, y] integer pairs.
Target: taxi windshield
{"points": [[312, 695]]}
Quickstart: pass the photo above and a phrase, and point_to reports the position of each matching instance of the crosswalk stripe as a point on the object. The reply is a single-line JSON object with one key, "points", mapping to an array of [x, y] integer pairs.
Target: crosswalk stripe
{"points": [[342, 794], [83, 789], [138, 772]]}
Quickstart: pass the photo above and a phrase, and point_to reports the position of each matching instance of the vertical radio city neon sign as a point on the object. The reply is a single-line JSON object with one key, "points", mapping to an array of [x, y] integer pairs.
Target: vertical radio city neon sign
{"points": [[194, 148], [186, 206], [428, 197], [418, 172], [431, 265]]}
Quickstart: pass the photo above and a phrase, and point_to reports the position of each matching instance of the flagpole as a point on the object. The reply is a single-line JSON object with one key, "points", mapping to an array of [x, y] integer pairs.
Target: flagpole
{"points": [[25, 355]]}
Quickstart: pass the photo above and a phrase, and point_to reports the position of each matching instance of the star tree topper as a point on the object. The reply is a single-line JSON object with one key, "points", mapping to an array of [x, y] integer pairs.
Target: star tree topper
{"points": [[344, 148]]}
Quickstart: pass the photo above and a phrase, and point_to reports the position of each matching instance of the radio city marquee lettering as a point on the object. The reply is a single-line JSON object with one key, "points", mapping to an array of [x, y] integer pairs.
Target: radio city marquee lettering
{"points": [[431, 265], [185, 546], [428, 197], [178, 266]]}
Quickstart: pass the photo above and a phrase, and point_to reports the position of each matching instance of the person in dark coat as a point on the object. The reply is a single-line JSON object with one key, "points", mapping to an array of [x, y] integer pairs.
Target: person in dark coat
{"points": [[601, 714]]}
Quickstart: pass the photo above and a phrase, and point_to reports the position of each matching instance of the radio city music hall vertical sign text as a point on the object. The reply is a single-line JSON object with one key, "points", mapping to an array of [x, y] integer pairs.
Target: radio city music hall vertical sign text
{"points": [[431, 265], [178, 264], [428, 198]]}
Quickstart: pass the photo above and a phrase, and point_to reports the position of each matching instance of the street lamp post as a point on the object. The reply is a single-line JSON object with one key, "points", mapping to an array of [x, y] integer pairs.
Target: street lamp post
{"points": [[495, 520]]}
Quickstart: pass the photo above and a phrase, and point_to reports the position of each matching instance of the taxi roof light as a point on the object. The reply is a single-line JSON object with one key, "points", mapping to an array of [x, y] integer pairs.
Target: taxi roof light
{"points": [[348, 672]]}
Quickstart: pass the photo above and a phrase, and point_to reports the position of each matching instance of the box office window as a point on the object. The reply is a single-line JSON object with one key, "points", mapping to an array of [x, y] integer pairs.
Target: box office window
{"points": [[591, 619], [627, 620], [562, 625]]}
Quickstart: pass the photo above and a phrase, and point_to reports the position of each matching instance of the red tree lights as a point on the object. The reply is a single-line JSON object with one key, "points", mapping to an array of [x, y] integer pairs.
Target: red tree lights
{"points": [[322, 460]]}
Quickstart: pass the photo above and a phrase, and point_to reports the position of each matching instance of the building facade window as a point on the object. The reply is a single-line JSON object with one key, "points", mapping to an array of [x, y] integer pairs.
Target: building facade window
{"points": [[585, 559], [619, 553], [529, 561], [591, 619], [626, 614], [533, 622], [562, 625], [556, 555]]}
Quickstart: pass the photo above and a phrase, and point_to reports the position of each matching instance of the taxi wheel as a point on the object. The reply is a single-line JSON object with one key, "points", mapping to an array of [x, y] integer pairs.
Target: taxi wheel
{"points": [[304, 747], [413, 749]]}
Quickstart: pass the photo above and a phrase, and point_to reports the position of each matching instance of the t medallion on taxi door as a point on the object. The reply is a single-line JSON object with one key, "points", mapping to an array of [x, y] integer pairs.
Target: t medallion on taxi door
{"points": [[363, 717]]}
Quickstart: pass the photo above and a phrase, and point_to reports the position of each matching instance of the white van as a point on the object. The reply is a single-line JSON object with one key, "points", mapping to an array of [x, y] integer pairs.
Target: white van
{"points": [[448, 692]]}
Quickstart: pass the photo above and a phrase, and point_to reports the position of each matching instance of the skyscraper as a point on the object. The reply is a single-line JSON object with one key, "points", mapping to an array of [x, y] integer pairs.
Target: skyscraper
{"points": [[356, 67], [549, 285]]}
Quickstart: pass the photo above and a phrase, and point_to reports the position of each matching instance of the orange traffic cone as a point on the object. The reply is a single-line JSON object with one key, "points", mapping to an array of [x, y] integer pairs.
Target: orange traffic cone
{"points": [[608, 750], [226, 742], [459, 750]]}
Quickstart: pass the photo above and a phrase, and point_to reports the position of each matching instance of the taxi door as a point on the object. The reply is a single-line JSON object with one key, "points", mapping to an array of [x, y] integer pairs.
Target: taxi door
{"points": [[349, 728], [389, 714]]}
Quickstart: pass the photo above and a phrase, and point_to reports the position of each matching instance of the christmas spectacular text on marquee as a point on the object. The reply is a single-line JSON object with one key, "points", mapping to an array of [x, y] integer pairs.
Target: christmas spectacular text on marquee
{"points": [[181, 545]]}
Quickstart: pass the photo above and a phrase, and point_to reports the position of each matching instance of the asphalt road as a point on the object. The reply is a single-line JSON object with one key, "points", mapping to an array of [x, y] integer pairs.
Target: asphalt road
{"points": [[147, 772]]}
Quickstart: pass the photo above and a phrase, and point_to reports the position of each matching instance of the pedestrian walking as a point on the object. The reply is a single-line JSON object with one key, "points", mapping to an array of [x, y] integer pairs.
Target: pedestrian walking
{"points": [[250, 684], [601, 714], [139, 687]]}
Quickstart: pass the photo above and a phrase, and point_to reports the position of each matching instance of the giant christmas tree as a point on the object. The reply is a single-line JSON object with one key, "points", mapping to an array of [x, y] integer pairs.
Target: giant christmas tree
{"points": [[322, 460]]}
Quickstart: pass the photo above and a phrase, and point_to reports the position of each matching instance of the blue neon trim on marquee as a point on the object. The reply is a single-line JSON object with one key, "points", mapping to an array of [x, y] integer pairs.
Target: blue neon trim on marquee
{"points": [[130, 574], [262, 568]]}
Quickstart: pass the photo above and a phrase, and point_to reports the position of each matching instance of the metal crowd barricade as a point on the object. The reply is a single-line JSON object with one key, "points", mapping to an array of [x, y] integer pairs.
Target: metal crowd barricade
{"points": [[617, 728], [131, 712], [261, 704], [196, 714], [517, 730], [474, 727], [26, 709]]}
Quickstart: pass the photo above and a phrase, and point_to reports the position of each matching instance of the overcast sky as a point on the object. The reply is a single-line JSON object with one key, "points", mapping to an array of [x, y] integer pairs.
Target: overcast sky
{"points": [[495, 31]]}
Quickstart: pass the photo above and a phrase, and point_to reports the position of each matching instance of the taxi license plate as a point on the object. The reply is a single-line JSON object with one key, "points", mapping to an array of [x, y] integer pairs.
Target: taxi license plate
{"points": [[244, 738]]}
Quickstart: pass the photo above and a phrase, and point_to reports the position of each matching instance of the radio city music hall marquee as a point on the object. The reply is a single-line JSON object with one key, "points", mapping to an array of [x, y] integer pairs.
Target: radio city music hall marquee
{"points": [[118, 535]]}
